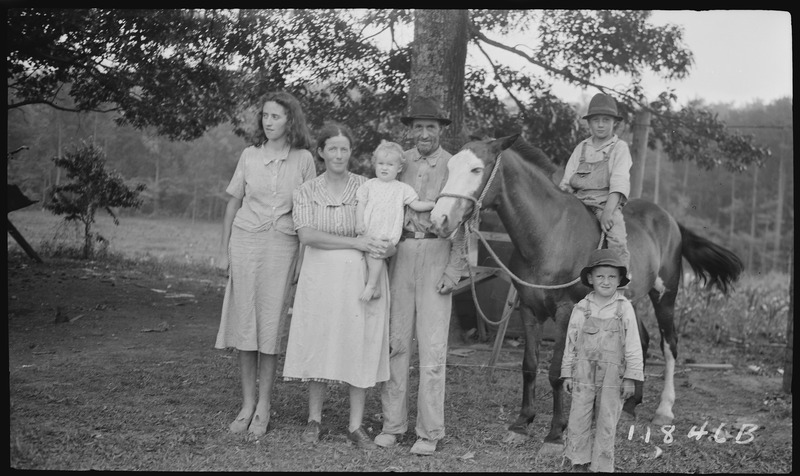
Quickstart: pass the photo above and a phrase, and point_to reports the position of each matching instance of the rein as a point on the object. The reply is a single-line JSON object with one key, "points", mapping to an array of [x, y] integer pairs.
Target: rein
{"points": [[471, 226]]}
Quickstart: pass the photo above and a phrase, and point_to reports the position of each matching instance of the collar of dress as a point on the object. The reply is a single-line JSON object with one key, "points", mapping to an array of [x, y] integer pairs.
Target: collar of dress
{"points": [[282, 157]]}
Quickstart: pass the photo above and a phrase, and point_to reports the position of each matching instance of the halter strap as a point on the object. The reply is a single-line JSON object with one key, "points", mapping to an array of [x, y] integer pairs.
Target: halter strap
{"points": [[472, 224]]}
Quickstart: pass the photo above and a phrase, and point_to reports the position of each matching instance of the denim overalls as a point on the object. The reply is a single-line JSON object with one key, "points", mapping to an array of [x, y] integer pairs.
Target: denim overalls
{"points": [[597, 391], [591, 183]]}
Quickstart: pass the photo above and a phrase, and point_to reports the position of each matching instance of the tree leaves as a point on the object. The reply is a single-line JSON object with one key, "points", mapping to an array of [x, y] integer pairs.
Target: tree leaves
{"points": [[91, 188]]}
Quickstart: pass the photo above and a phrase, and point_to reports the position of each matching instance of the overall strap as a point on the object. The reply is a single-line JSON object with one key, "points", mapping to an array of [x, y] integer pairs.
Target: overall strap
{"points": [[583, 152], [619, 316], [611, 149]]}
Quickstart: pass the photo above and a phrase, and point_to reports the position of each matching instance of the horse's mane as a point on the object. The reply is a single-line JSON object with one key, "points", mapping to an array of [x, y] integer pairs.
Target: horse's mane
{"points": [[534, 155]]}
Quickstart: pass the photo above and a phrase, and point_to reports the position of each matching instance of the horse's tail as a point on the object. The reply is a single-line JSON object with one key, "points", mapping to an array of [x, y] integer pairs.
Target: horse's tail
{"points": [[712, 263]]}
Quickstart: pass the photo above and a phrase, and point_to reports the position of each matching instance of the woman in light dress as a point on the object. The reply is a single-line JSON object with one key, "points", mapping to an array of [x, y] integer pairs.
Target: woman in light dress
{"points": [[258, 248], [334, 336]]}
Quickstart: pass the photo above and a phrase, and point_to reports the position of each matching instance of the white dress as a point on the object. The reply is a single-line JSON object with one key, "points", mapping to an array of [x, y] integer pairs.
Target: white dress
{"points": [[385, 207], [334, 336]]}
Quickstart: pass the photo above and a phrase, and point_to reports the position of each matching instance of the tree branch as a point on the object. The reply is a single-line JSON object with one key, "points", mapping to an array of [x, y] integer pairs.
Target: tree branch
{"points": [[15, 105], [520, 105], [478, 35]]}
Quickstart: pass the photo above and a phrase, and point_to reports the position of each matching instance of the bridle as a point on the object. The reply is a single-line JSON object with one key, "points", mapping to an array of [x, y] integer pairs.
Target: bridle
{"points": [[472, 224]]}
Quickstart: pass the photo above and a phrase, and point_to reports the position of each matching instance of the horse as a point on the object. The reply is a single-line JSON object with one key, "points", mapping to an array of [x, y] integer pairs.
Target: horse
{"points": [[553, 234]]}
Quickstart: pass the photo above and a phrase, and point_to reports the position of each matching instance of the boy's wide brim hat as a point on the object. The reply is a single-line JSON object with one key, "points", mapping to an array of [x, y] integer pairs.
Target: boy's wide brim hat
{"points": [[605, 257], [425, 108], [603, 104]]}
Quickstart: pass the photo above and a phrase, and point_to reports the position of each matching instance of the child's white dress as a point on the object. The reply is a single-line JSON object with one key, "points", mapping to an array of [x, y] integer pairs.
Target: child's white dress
{"points": [[385, 207]]}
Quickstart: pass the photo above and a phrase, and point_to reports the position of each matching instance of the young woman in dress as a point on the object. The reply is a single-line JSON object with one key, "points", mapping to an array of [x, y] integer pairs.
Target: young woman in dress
{"points": [[258, 247]]}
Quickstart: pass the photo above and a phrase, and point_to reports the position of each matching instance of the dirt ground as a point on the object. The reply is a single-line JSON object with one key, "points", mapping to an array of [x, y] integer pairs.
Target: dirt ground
{"points": [[112, 367]]}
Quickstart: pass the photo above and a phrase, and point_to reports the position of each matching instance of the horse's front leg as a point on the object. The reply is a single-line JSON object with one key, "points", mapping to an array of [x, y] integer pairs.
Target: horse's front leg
{"points": [[559, 422], [530, 364]]}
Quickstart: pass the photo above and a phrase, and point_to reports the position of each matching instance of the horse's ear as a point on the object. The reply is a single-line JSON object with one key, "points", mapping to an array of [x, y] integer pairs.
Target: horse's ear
{"points": [[508, 141]]}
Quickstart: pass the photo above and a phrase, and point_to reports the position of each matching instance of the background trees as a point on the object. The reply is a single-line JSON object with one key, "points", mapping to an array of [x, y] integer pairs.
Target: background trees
{"points": [[177, 89]]}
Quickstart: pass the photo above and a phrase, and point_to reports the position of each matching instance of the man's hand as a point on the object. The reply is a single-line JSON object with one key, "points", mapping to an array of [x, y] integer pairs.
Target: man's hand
{"points": [[446, 284], [568, 385]]}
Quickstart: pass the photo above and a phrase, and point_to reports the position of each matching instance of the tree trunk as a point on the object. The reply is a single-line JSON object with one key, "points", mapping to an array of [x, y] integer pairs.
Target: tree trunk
{"points": [[658, 174], [685, 184], [194, 203], [779, 209], [753, 214], [787, 361], [640, 129], [157, 186], [58, 152], [45, 185], [87, 239], [439, 55], [733, 208]]}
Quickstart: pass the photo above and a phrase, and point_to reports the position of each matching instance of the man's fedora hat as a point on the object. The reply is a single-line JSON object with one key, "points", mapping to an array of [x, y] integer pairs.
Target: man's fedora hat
{"points": [[603, 104], [425, 108]]}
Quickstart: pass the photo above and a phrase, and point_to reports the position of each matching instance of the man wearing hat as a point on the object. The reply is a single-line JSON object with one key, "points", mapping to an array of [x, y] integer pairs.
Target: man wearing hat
{"points": [[602, 358], [598, 172], [422, 275]]}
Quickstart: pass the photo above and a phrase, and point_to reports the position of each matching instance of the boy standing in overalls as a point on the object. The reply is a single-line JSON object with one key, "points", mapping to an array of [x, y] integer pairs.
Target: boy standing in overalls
{"points": [[602, 358], [598, 172]]}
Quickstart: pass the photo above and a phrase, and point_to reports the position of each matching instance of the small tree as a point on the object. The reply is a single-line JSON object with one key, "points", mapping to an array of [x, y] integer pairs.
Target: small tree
{"points": [[90, 188]]}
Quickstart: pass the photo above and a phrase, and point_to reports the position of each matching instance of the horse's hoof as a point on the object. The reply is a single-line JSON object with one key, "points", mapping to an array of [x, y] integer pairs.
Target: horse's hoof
{"points": [[514, 438], [551, 449], [627, 417], [661, 420]]}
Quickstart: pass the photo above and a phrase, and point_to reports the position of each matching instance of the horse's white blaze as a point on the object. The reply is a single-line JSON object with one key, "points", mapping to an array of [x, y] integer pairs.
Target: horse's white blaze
{"points": [[461, 180], [664, 414]]}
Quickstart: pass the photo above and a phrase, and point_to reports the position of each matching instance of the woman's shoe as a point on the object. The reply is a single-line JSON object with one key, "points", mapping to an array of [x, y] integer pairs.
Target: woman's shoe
{"points": [[258, 426], [240, 424], [312, 431], [361, 439]]}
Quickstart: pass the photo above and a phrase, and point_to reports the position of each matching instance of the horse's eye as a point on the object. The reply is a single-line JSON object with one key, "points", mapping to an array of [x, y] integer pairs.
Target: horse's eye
{"points": [[477, 170]]}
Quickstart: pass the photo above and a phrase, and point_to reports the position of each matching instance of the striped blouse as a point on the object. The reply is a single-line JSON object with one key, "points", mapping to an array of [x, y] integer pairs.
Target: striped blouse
{"points": [[314, 206]]}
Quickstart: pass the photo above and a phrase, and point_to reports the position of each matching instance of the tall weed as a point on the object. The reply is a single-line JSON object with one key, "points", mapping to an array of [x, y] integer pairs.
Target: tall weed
{"points": [[755, 310]]}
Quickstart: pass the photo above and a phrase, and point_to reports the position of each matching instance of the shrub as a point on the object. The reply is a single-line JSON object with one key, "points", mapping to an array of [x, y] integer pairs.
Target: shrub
{"points": [[91, 187], [756, 309]]}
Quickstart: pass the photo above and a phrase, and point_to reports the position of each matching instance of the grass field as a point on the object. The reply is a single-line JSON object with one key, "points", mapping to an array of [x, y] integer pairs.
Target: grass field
{"points": [[162, 239], [112, 367]]}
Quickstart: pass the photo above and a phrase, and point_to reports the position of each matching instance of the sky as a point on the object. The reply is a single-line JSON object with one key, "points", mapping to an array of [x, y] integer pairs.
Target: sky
{"points": [[740, 56]]}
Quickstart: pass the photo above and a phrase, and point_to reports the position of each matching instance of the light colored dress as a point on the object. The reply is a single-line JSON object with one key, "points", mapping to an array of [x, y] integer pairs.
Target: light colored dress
{"points": [[261, 249], [385, 207], [334, 336]]}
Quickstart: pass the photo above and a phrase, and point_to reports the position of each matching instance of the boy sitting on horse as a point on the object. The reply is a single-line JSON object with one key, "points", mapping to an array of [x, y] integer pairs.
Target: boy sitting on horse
{"points": [[598, 172], [602, 358]]}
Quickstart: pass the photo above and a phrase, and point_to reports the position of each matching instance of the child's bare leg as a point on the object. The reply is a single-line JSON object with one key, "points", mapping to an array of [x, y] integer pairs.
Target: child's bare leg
{"points": [[374, 268]]}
